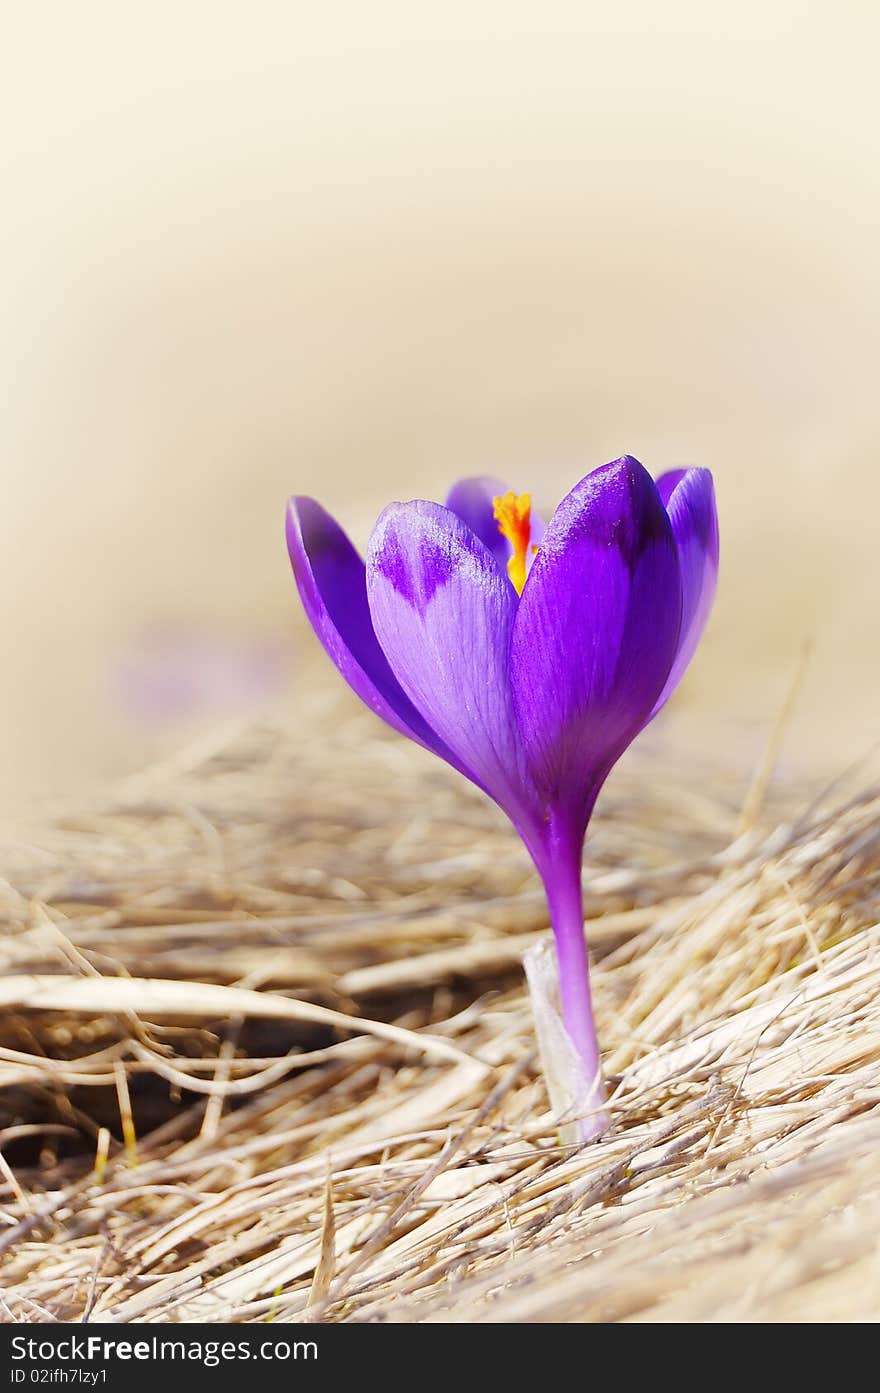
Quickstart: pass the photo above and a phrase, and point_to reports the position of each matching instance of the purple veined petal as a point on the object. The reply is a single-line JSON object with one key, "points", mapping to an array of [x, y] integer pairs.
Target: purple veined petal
{"points": [[473, 500], [443, 611], [689, 498], [331, 579], [595, 633]]}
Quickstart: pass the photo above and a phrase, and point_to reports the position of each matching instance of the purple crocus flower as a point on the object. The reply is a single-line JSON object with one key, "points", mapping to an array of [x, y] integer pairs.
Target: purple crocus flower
{"points": [[527, 658]]}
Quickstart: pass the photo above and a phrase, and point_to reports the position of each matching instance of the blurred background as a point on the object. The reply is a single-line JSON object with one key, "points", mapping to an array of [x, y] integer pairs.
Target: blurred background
{"points": [[360, 250]]}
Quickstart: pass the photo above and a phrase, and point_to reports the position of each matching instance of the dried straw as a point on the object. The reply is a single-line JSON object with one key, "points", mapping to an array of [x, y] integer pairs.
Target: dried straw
{"points": [[266, 1053]]}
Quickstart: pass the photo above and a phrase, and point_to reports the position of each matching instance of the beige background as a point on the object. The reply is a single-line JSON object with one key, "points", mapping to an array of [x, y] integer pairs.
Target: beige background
{"points": [[358, 250]]}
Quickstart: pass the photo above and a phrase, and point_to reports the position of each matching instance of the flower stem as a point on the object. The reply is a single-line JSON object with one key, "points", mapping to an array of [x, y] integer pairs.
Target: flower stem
{"points": [[561, 873]]}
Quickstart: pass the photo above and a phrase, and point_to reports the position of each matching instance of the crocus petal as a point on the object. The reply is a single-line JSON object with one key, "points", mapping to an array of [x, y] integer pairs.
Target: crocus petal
{"points": [[473, 500], [331, 579], [443, 612], [596, 632], [689, 498]]}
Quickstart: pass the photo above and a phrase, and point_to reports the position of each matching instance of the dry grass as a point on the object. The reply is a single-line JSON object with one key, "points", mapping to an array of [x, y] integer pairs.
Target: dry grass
{"points": [[266, 1052]]}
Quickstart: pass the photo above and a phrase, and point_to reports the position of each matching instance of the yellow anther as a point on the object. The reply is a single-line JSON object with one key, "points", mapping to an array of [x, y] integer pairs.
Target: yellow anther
{"points": [[513, 513]]}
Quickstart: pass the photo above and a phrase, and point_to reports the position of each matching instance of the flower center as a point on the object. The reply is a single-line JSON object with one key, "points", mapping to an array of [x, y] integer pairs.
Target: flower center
{"points": [[513, 513]]}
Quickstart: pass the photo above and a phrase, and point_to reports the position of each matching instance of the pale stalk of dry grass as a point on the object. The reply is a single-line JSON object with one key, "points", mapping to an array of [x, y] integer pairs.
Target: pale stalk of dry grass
{"points": [[301, 954]]}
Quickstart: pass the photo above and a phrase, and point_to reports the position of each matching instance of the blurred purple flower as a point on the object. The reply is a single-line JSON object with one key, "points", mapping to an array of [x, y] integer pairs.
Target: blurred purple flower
{"points": [[169, 675], [527, 658]]}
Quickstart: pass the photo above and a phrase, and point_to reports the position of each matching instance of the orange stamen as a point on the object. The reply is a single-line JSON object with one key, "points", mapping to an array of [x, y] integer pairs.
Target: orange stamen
{"points": [[513, 513]]}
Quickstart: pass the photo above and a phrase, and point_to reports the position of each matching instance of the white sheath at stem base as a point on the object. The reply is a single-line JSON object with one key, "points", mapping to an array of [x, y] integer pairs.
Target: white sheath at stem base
{"points": [[577, 1102]]}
